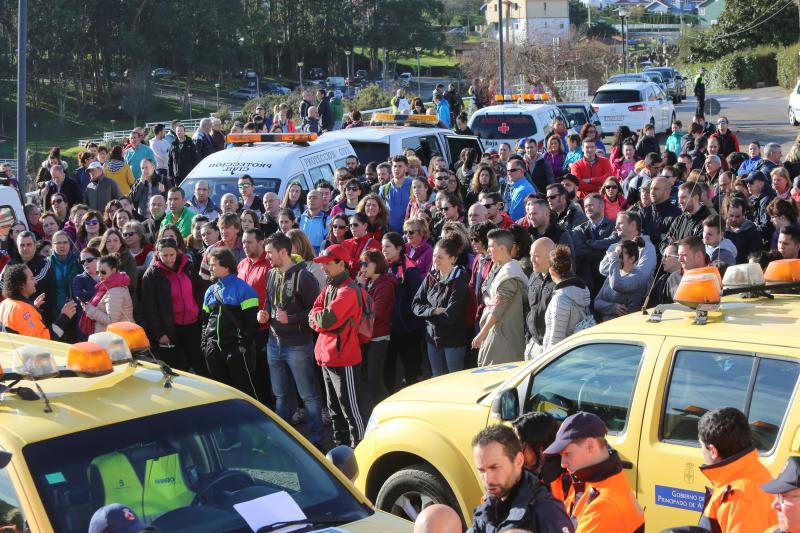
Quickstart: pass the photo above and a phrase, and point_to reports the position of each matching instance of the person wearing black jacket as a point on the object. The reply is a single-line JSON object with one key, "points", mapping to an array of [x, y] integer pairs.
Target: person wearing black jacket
{"points": [[540, 292], [182, 156], [60, 184], [761, 194], [648, 144], [591, 241], [442, 302], [659, 216], [539, 171], [515, 498], [690, 221], [741, 231], [325, 110]]}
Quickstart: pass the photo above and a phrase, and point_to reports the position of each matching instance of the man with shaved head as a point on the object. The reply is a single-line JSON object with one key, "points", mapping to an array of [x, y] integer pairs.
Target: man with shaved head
{"points": [[540, 290], [477, 213], [437, 518]]}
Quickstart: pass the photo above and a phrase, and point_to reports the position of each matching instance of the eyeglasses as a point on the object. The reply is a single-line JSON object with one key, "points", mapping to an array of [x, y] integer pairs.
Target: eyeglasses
{"points": [[102, 272], [513, 170], [441, 178], [354, 224], [411, 232], [339, 226], [488, 205], [610, 187], [56, 201], [92, 222], [553, 196], [88, 260], [721, 122], [244, 185], [128, 233], [364, 264], [667, 256]]}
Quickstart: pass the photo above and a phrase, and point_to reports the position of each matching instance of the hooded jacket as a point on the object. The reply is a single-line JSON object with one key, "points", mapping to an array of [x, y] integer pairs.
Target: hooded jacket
{"points": [[629, 290], [382, 291], [506, 299], [167, 298], [447, 329], [725, 251], [293, 291], [335, 315], [568, 306], [747, 240], [735, 501]]}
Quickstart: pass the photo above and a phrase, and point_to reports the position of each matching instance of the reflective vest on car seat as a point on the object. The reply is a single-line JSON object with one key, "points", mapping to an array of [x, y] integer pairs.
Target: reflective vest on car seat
{"points": [[163, 489]]}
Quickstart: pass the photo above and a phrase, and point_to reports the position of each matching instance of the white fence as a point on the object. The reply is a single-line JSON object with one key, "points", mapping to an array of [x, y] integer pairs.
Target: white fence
{"points": [[121, 135], [573, 90]]}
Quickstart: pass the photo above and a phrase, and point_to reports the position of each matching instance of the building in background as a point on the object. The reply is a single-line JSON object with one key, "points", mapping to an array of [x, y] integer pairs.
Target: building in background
{"points": [[528, 20], [709, 12]]}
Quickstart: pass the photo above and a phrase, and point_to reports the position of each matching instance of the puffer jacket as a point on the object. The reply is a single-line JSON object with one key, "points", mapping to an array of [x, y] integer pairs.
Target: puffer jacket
{"points": [[628, 290], [382, 291], [446, 330], [115, 306], [568, 306], [167, 299]]}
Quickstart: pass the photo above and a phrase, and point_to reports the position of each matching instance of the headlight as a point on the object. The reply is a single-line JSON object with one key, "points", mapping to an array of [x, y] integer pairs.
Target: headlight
{"points": [[372, 424]]}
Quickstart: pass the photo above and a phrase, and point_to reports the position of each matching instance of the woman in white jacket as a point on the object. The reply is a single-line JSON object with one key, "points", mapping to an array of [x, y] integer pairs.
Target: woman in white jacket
{"points": [[112, 301], [570, 302]]}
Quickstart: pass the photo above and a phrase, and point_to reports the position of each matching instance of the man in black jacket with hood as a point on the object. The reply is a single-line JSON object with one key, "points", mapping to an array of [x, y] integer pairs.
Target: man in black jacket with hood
{"points": [[693, 213]]}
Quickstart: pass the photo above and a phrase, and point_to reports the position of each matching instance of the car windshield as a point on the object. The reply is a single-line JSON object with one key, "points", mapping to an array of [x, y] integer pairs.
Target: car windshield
{"points": [[503, 126], [229, 184], [616, 97], [185, 470]]}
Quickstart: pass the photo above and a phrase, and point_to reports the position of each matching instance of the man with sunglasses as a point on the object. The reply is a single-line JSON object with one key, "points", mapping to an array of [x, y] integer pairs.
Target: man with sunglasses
{"points": [[494, 205], [519, 187], [567, 214]]}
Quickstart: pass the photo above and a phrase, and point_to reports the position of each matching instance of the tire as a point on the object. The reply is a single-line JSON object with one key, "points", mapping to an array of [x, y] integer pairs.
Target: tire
{"points": [[793, 118], [676, 100], [406, 491]]}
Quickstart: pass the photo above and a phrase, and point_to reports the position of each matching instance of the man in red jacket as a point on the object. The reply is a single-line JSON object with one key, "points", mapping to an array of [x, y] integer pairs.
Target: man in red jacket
{"points": [[335, 316], [591, 169]]}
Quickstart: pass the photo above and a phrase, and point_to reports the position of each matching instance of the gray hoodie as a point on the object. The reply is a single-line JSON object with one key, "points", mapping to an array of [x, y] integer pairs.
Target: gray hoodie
{"points": [[725, 251], [629, 290], [568, 306], [648, 257]]}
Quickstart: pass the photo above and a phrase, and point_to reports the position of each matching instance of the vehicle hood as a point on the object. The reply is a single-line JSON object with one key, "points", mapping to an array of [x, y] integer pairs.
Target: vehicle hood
{"points": [[465, 387]]}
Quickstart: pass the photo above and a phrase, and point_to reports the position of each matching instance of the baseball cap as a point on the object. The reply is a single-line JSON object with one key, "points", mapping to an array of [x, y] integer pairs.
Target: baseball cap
{"points": [[581, 425], [788, 479], [332, 253], [94, 164], [756, 175], [116, 518]]}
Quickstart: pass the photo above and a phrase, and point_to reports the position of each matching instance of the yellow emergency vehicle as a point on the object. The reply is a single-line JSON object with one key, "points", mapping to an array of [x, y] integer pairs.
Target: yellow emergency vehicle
{"points": [[102, 422], [650, 377]]}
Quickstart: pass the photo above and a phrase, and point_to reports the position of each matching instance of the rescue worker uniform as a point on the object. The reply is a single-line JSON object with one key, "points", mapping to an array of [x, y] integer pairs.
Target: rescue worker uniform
{"points": [[22, 317], [529, 506], [735, 502], [231, 306]]}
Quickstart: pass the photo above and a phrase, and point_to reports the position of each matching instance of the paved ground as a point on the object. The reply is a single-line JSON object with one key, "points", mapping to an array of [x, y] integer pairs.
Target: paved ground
{"points": [[757, 114]]}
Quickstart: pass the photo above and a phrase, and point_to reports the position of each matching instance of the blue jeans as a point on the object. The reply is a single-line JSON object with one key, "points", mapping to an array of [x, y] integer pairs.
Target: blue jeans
{"points": [[445, 360], [295, 363]]}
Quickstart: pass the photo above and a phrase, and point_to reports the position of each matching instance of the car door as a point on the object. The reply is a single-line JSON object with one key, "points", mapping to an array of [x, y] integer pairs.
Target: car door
{"points": [[606, 375], [690, 380], [666, 110], [456, 143]]}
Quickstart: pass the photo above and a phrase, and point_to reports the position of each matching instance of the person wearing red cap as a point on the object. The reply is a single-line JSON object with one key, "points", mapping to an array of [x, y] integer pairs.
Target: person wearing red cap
{"points": [[335, 315], [606, 504]]}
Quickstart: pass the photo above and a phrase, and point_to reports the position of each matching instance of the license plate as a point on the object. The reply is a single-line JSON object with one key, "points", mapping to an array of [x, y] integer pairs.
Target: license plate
{"points": [[614, 118]]}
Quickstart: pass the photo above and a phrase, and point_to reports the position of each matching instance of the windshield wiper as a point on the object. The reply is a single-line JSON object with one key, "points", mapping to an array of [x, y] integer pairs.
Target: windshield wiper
{"points": [[307, 521]]}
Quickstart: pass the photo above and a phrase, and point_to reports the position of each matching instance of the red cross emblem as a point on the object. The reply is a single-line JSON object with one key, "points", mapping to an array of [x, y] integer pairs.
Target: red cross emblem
{"points": [[503, 128]]}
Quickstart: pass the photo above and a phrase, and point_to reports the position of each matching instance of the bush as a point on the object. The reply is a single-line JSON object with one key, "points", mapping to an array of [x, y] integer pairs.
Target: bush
{"points": [[370, 97], [787, 66], [739, 70]]}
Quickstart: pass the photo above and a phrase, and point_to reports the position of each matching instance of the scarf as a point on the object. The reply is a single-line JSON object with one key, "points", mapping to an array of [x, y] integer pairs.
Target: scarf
{"points": [[120, 279]]}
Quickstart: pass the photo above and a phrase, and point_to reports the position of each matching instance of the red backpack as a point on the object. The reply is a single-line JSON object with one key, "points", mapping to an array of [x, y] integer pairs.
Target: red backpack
{"points": [[367, 306]]}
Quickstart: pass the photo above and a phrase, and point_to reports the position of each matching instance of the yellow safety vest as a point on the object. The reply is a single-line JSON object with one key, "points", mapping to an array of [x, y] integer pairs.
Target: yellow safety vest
{"points": [[163, 490]]}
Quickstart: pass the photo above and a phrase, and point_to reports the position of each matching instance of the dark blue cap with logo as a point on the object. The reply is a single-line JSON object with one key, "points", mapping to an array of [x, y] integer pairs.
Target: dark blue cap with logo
{"points": [[116, 518], [578, 426], [756, 175], [787, 480]]}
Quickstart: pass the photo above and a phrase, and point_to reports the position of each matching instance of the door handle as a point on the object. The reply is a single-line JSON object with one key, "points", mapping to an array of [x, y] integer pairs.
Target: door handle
{"points": [[627, 465]]}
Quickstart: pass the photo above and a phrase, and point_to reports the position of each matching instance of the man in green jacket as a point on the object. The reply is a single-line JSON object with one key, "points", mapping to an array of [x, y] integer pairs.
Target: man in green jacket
{"points": [[177, 212]]}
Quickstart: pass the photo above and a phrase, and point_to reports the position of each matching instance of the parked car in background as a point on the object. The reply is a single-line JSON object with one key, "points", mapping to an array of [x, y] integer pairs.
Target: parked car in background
{"points": [[633, 104], [405, 79], [162, 73], [674, 82], [794, 105], [316, 73], [335, 82], [244, 93], [578, 114], [274, 88]]}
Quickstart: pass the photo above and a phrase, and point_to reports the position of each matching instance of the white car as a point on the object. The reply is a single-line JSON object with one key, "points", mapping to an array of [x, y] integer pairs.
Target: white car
{"points": [[633, 104], [794, 105], [405, 78], [508, 123]]}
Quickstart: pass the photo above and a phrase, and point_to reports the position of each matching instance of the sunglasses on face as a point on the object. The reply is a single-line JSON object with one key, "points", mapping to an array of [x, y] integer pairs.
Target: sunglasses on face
{"points": [[553, 196], [244, 185], [354, 224], [364, 264], [102, 272], [128, 234], [339, 226], [487, 205], [92, 222], [513, 170], [411, 232], [611, 187], [88, 260]]}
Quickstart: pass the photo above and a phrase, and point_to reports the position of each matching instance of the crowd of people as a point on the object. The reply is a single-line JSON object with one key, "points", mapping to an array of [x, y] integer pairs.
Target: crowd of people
{"points": [[326, 301]]}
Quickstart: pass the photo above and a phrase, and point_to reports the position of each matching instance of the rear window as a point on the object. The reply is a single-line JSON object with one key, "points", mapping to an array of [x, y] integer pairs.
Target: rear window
{"points": [[504, 126], [575, 113], [616, 97], [666, 74]]}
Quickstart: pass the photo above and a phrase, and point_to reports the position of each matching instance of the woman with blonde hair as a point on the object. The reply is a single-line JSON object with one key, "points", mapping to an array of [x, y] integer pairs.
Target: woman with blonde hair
{"points": [[301, 247], [417, 247]]}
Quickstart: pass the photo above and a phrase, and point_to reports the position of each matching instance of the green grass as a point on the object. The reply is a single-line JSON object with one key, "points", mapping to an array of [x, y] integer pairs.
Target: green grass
{"points": [[436, 59]]}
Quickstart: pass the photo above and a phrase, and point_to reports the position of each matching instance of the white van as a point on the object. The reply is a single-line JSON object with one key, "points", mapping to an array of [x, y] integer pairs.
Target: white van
{"points": [[272, 165], [508, 123]]}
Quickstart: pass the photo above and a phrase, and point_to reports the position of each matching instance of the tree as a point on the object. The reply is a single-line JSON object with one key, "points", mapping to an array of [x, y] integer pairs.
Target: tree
{"points": [[578, 13], [137, 98]]}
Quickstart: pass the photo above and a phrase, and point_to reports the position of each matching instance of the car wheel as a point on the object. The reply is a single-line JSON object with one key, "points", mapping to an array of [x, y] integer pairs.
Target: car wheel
{"points": [[675, 99], [792, 117], [406, 492]]}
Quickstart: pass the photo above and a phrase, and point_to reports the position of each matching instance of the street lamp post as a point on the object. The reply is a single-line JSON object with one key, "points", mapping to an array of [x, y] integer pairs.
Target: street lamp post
{"points": [[112, 124], [347, 66], [216, 86], [300, 68], [500, 46], [190, 105], [22, 39], [418, 49], [622, 14]]}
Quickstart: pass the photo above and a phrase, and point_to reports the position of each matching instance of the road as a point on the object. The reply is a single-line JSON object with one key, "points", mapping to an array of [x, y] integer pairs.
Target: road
{"points": [[757, 114]]}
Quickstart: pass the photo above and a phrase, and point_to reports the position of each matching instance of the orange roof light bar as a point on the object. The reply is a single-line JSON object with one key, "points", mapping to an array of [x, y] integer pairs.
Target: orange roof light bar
{"points": [[239, 138], [525, 97], [88, 359], [783, 271], [699, 286], [404, 119], [134, 335]]}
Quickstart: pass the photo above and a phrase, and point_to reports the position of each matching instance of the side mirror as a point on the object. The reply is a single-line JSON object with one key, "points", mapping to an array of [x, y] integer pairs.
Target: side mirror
{"points": [[506, 405], [343, 458]]}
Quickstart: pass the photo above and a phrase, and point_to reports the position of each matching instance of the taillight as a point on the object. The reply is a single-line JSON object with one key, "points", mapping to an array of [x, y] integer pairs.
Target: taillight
{"points": [[596, 108], [637, 107]]}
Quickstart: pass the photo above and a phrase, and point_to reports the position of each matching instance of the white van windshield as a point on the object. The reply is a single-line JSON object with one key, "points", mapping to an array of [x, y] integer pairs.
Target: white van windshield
{"points": [[229, 184]]}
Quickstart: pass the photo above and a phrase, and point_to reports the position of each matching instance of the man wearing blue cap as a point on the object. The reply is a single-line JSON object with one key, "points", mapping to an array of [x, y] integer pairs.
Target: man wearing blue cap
{"points": [[116, 518], [786, 488], [607, 504]]}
